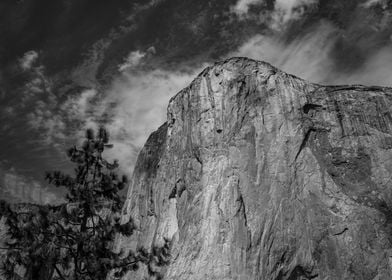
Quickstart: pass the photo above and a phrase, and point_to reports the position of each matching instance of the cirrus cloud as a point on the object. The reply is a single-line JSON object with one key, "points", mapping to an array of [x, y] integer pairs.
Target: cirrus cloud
{"points": [[28, 59]]}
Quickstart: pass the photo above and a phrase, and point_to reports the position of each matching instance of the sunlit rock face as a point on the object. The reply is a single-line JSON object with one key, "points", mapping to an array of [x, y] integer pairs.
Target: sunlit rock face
{"points": [[258, 174]]}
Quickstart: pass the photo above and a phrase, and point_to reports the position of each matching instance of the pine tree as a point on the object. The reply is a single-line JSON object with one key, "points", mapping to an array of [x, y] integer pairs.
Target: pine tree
{"points": [[74, 241], [28, 253]]}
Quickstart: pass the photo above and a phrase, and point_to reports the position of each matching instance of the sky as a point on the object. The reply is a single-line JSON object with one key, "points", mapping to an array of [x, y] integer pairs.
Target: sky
{"points": [[68, 65]]}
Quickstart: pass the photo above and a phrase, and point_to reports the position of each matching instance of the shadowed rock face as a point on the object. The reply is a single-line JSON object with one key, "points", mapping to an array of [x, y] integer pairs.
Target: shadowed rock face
{"points": [[258, 174]]}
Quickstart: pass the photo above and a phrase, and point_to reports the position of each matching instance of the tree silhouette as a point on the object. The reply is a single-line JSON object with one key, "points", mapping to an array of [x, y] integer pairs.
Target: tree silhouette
{"points": [[75, 239]]}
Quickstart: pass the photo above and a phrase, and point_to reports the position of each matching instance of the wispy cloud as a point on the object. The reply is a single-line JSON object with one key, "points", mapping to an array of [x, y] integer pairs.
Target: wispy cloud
{"points": [[370, 3], [51, 127], [307, 57], [288, 10], [132, 60], [376, 70], [283, 12], [77, 107], [85, 74], [241, 8], [28, 59], [39, 104]]}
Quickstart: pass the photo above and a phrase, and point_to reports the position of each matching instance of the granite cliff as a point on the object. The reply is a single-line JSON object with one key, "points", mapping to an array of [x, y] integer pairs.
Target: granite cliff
{"points": [[258, 174]]}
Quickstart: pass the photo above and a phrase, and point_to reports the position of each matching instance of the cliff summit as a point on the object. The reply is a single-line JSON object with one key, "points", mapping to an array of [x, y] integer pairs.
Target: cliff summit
{"points": [[258, 174]]}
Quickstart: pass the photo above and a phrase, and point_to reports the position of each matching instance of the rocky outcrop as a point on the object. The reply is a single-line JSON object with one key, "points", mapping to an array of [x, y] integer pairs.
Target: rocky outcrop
{"points": [[258, 174]]}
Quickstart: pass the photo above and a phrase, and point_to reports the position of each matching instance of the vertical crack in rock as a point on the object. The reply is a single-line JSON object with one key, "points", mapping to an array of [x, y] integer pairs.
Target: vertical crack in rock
{"points": [[304, 142], [340, 116]]}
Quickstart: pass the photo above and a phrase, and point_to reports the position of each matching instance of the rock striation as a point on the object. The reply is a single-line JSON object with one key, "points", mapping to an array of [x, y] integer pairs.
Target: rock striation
{"points": [[258, 174]]}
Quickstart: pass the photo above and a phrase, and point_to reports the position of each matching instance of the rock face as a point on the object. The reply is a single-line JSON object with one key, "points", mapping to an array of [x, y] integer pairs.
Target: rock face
{"points": [[258, 174]]}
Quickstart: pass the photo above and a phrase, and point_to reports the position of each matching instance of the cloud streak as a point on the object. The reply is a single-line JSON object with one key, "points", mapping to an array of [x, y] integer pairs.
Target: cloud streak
{"points": [[28, 59], [132, 60], [307, 57], [283, 12], [241, 8]]}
